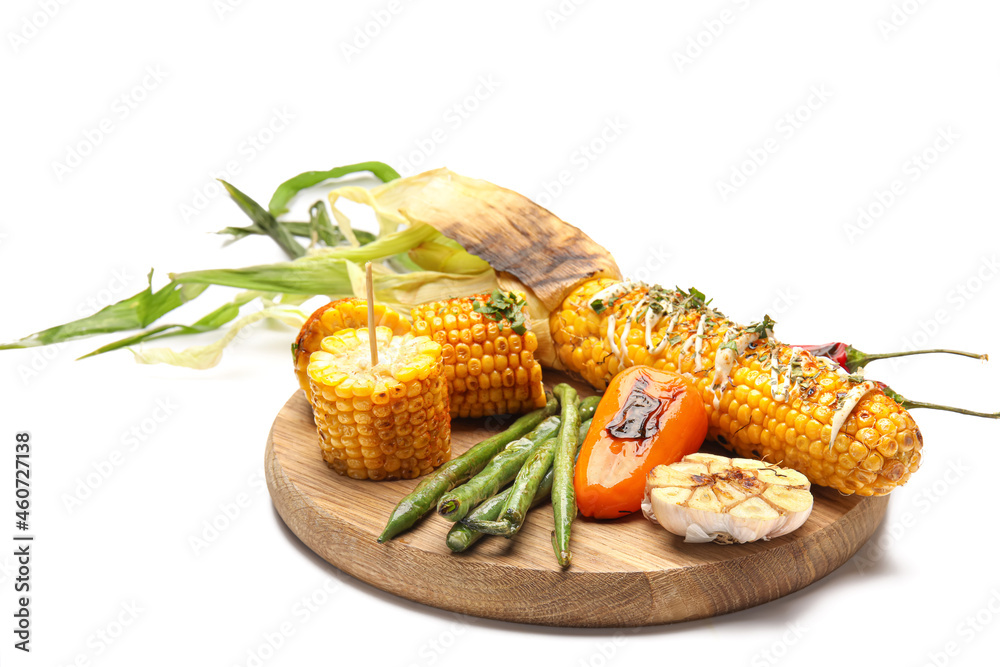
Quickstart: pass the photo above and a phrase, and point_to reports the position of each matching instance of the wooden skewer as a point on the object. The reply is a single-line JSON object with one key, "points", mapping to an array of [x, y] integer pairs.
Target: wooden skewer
{"points": [[370, 287]]}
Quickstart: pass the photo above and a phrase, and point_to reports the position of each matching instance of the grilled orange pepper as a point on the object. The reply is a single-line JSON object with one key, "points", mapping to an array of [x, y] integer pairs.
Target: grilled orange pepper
{"points": [[647, 417]]}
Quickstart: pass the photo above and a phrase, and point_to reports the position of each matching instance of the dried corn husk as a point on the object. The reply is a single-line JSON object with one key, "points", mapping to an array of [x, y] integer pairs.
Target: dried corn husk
{"points": [[512, 233]]}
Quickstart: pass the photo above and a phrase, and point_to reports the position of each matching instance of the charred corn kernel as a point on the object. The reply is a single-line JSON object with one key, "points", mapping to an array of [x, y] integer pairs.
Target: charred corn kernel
{"points": [[387, 421], [337, 316], [764, 399], [481, 353]]}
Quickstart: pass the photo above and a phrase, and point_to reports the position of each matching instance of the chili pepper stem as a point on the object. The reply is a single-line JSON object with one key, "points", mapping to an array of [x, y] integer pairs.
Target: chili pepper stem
{"points": [[908, 404], [933, 406], [857, 359]]}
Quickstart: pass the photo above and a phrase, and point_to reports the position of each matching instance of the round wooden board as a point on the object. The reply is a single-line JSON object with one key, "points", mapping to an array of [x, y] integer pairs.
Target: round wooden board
{"points": [[625, 573]]}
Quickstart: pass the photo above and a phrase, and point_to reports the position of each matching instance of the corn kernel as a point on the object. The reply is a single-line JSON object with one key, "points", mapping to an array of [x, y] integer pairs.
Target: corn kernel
{"points": [[377, 409]]}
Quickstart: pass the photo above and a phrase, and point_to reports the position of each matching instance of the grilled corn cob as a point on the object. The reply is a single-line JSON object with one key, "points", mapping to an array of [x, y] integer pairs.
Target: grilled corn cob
{"points": [[491, 369], [331, 318], [380, 422], [764, 399]]}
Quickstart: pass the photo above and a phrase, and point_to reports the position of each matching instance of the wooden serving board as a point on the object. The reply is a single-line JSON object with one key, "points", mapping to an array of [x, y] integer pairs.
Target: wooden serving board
{"points": [[628, 572]]}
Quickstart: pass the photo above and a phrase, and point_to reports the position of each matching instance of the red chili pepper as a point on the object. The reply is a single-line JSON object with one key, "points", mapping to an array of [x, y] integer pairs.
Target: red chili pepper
{"points": [[851, 358]]}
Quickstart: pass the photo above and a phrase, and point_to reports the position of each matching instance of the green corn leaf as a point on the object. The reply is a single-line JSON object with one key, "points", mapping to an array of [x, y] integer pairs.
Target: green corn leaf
{"points": [[207, 356], [321, 229], [445, 254], [287, 190], [300, 229], [136, 312], [324, 272], [265, 222], [309, 275], [332, 277], [215, 319]]}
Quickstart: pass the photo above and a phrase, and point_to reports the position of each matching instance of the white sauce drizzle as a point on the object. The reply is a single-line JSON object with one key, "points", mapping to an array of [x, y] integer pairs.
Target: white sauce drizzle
{"points": [[649, 329], [844, 411], [611, 292], [698, 344], [623, 345], [776, 391], [643, 302], [725, 358], [796, 357], [695, 341], [833, 366], [611, 336], [666, 334]]}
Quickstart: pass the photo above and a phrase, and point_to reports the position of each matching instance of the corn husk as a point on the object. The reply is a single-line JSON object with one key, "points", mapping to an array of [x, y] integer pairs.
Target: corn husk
{"points": [[441, 236]]}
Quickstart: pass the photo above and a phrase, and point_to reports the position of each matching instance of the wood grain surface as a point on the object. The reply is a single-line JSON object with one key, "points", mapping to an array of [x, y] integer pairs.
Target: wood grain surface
{"points": [[628, 572]]}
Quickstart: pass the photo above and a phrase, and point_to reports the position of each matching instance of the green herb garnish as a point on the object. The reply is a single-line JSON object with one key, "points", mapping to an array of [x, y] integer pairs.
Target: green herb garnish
{"points": [[763, 327], [504, 306], [696, 297]]}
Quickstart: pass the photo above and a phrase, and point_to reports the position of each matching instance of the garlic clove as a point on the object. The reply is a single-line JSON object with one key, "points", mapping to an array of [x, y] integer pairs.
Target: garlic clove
{"points": [[713, 462], [796, 502], [691, 467], [783, 477], [668, 476], [708, 498]]}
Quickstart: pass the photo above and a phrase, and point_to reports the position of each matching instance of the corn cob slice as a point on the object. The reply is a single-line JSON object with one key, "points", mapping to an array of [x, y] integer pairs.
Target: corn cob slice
{"points": [[764, 399], [708, 498], [331, 318], [387, 421], [491, 369]]}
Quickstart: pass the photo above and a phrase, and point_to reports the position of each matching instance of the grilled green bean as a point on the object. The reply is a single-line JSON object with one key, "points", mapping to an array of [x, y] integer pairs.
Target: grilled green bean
{"points": [[502, 468], [563, 495], [461, 536], [523, 490], [454, 472]]}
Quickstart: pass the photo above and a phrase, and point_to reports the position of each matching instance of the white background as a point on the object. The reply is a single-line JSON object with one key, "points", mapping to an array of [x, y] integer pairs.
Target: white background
{"points": [[661, 134]]}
